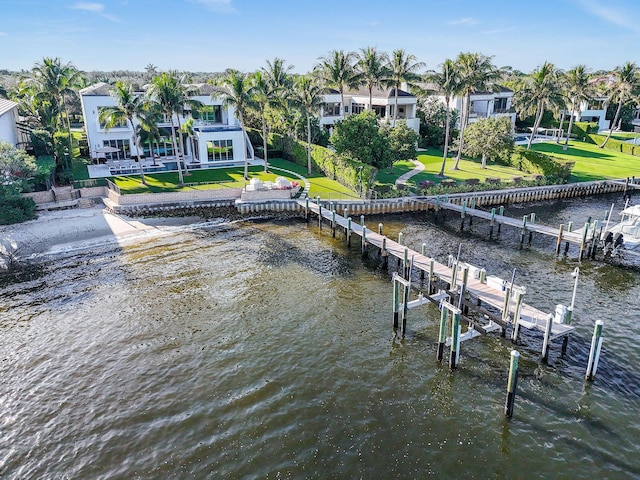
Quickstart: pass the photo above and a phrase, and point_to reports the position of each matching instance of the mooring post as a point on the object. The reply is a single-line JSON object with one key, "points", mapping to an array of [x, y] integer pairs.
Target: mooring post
{"points": [[570, 226], [493, 219], [384, 254], [512, 384], [423, 251], [306, 209], [349, 231], [379, 229], [532, 221], [558, 245], [505, 305], [524, 230], [594, 353], [364, 240], [462, 214], [333, 222], [431, 269], [516, 313], [584, 240], [547, 338], [319, 214], [455, 341], [405, 301], [396, 301], [442, 335], [405, 263]]}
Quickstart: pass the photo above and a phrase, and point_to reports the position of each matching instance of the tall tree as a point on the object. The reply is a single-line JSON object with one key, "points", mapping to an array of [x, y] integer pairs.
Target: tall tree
{"points": [[625, 88], [165, 92], [446, 82], [128, 106], [235, 90], [262, 97], [540, 92], [371, 70], [476, 73], [490, 138], [578, 89], [148, 129], [337, 70], [54, 81], [308, 97], [402, 68]]}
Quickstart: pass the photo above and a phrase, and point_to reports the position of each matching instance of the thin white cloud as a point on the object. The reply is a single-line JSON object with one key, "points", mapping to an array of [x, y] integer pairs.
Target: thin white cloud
{"points": [[610, 14], [3, 34], [464, 21], [219, 6], [500, 30], [97, 8]]}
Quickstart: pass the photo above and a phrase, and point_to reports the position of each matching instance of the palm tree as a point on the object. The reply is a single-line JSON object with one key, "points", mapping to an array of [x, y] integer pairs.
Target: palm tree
{"points": [[476, 73], [402, 68], [55, 80], [371, 70], [541, 92], [446, 82], [262, 97], [337, 70], [128, 106], [172, 92], [308, 96], [188, 130], [235, 90], [625, 88], [148, 129], [578, 89]]}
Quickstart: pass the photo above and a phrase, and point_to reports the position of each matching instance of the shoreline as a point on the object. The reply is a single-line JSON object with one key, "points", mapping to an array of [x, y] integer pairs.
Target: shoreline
{"points": [[66, 231]]}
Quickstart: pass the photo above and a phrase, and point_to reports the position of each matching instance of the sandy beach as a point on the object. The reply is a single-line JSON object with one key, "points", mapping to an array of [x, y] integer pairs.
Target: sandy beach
{"points": [[63, 231]]}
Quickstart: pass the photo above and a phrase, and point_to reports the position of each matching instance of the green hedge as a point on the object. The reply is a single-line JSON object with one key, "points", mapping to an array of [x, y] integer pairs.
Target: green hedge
{"points": [[582, 130], [530, 161], [332, 165], [615, 145], [16, 210]]}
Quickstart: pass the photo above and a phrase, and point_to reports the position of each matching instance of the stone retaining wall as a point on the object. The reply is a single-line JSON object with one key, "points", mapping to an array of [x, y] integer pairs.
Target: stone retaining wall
{"points": [[174, 197]]}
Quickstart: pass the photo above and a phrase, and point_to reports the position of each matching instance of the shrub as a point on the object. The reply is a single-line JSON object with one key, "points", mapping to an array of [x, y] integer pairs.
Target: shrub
{"points": [[492, 180], [42, 142], [16, 210], [426, 184], [448, 182], [552, 167], [472, 181]]}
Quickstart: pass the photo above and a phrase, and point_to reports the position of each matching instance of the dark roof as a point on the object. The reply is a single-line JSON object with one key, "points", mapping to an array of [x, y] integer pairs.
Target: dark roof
{"points": [[501, 90], [376, 92]]}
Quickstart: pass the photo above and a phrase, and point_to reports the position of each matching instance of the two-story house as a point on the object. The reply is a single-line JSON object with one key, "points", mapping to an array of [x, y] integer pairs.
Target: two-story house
{"points": [[216, 139], [487, 105], [383, 103]]}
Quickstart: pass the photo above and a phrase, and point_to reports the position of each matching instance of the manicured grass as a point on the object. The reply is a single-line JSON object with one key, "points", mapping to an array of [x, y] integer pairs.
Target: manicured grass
{"points": [[432, 161], [320, 185], [593, 163], [625, 135], [231, 178]]}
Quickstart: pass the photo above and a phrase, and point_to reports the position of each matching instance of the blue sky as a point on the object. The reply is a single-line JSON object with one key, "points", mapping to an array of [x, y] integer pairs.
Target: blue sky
{"points": [[212, 35]]}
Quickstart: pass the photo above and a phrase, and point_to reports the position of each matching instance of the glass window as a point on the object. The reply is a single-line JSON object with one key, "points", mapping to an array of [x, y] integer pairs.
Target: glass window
{"points": [[331, 109], [124, 150], [209, 113], [357, 108], [380, 110], [219, 150]]}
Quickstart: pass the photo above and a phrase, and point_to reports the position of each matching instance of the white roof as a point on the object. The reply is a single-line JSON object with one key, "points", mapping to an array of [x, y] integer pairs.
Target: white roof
{"points": [[6, 106]]}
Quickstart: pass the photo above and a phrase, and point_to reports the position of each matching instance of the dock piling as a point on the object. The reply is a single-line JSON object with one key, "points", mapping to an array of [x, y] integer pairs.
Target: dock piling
{"points": [[594, 352], [455, 341], [547, 338], [512, 384]]}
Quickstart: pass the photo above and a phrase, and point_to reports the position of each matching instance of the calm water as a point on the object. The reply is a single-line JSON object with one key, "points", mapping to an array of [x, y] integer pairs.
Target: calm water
{"points": [[265, 350]]}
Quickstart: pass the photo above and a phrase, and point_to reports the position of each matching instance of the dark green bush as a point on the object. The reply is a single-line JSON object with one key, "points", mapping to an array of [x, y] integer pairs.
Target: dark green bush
{"points": [[42, 142], [16, 210], [531, 161]]}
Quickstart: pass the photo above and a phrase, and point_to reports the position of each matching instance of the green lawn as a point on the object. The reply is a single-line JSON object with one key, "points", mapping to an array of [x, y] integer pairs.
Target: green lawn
{"points": [[230, 178], [432, 161], [593, 163]]}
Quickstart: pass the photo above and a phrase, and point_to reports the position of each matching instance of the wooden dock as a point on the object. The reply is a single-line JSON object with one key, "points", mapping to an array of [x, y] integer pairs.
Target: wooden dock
{"points": [[488, 291], [586, 237]]}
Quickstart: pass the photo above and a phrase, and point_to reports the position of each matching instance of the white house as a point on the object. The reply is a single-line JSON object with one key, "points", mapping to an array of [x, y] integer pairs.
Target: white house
{"points": [[217, 134], [382, 103], [8, 122], [486, 105], [593, 110]]}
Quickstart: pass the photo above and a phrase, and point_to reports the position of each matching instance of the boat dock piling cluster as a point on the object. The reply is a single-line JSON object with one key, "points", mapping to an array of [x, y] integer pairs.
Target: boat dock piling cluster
{"points": [[464, 294]]}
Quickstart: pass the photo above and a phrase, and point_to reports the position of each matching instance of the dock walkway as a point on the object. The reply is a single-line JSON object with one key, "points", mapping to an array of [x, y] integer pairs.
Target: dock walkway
{"points": [[529, 317]]}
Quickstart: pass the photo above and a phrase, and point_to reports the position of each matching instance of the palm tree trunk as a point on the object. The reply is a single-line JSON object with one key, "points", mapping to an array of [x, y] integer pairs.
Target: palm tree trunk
{"points": [[536, 124], [181, 145], [175, 150], [569, 128], [264, 140], [395, 108], [244, 145], [308, 144], [370, 97], [561, 129], [613, 124], [140, 151], [344, 115], [484, 161], [446, 139], [465, 119]]}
